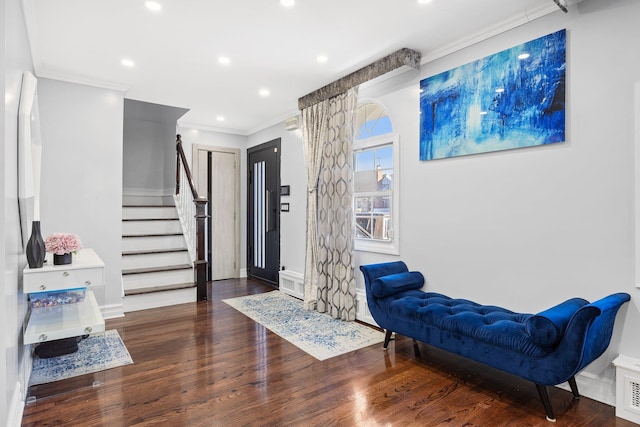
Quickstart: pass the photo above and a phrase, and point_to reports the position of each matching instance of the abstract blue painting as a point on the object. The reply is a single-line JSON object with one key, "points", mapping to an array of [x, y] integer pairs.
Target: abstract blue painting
{"points": [[511, 99]]}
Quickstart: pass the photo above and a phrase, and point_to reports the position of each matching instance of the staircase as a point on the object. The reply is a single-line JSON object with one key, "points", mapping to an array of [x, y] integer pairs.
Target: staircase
{"points": [[157, 268]]}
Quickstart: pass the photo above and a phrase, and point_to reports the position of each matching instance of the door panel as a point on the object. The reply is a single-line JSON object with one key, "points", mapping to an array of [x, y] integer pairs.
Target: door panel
{"points": [[217, 176], [263, 213], [223, 263]]}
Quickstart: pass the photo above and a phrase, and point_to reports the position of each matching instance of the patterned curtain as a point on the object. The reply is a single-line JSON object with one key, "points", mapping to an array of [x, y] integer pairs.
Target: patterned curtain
{"points": [[314, 131], [336, 294]]}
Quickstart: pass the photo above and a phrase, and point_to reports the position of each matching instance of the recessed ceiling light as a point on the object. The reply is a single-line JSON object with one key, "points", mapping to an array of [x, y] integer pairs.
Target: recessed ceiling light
{"points": [[220, 119], [264, 92], [287, 3], [153, 5], [523, 56], [322, 59], [224, 60], [127, 63], [500, 90]]}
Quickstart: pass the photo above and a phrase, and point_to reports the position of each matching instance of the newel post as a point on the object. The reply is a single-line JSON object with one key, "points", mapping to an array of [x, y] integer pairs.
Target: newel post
{"points": [[200, 264]]}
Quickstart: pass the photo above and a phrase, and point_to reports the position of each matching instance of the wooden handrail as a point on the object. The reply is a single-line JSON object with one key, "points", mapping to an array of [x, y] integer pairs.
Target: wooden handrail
{"points": [[187, 171], [200, 264]]}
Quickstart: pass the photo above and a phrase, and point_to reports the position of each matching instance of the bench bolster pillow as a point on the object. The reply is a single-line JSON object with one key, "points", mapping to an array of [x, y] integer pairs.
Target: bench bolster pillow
{"points": [[392, 284], [547, 327]]}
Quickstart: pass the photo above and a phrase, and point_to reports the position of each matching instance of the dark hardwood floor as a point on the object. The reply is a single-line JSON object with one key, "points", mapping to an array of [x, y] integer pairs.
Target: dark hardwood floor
{"points": [[205, 364]]}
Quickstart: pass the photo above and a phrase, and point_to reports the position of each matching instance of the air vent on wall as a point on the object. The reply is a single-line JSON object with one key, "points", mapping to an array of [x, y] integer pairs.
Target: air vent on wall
{"points": [[627, 388], [291, 123]]}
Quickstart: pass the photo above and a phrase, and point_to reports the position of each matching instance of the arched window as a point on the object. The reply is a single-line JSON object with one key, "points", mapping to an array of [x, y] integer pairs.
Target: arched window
{"points": [[375, 199]]}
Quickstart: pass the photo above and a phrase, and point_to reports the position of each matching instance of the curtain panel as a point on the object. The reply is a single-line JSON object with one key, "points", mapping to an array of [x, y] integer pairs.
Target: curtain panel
{"points": [[314, 131], [329, 269]]}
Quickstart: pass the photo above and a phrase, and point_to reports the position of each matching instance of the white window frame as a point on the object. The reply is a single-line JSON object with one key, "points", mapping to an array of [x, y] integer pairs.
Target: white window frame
{"points": [[392, 246]]}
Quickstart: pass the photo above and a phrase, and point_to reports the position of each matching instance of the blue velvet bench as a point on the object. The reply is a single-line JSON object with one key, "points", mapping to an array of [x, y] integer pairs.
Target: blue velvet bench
{"points": [[548, 348]]}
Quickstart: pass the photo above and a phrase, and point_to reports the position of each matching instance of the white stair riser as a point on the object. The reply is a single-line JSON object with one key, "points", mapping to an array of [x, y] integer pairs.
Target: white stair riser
{"points": [[160, 278], [159, 299], [155, 260], [150, 227], [153, 242], [149, 213]]}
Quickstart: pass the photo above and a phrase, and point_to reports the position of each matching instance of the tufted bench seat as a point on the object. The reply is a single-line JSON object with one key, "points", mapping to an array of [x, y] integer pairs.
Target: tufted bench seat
{"points": [[547, 348]]}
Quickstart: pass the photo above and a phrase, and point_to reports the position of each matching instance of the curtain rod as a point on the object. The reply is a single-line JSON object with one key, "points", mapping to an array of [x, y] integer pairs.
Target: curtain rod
{"points": [[400, 58]]}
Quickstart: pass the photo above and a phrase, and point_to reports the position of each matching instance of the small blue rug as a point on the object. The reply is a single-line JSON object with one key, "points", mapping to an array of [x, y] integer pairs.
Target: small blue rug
{"points": [[96, 353], [318, 334]]}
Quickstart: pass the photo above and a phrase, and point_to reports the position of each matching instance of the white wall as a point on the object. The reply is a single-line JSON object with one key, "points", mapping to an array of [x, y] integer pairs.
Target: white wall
{"points": [[191, 136], [16, 58], [293, 174], [82, 128], [529, 228]]}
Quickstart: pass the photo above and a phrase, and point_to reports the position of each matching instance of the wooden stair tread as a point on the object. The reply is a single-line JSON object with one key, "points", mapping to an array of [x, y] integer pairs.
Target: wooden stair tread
{"points": [[148, 219], [157, 269], [148, 206], [152, 235], [162, 288], [155, 251]]}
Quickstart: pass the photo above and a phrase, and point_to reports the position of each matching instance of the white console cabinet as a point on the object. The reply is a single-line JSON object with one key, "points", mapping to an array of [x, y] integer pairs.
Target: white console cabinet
{"points": [[85, 273]]}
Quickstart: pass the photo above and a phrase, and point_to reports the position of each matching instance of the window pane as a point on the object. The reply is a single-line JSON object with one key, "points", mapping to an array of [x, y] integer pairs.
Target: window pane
{"points": [[373, 217], [384, 157], [363, 205], [371, 120], [364, 160]]}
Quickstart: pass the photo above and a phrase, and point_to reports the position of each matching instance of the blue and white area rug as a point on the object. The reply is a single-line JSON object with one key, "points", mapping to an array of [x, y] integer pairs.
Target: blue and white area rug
{"points": [[318, 334], [96, 353]]}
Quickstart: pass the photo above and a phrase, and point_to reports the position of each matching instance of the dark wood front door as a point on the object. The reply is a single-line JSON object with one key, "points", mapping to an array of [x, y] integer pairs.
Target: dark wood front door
{"points": [[263, 211]]}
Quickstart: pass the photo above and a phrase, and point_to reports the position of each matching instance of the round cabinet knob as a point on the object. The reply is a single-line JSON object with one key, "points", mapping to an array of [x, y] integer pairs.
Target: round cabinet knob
{"points": [[65, 274], [43, 287], [88, 330], [42, 337], [87, 282]]}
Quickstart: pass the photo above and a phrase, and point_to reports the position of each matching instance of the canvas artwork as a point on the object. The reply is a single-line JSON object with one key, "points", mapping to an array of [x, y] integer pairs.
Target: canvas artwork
{"points": [[511, 99]]}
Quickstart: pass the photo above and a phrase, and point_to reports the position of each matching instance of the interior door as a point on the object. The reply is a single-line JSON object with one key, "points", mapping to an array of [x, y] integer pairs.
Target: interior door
{"points": [[218, 178], [263, 211]]}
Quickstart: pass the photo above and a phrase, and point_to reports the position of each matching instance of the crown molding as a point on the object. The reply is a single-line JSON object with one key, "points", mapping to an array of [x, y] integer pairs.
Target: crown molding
{"points": [[527, 16], [28, 10], [81, 80], [209, 128]]}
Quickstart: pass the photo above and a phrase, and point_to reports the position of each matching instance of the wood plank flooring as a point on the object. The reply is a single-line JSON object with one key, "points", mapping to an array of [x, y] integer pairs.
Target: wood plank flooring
{"points": [[205, 364]]}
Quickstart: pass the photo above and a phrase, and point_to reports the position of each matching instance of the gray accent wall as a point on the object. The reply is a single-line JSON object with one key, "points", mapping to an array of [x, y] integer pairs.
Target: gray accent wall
{"points": [[149, 151]]}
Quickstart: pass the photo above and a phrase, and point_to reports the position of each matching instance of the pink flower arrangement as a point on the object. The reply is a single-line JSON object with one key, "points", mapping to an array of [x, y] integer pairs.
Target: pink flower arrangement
{"points": [[62, 243]]}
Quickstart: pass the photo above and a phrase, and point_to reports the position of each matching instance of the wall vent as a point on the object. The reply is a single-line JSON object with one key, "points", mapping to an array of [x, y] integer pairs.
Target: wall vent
{"points": [[634, 393], [291, 123], [628, 388]]}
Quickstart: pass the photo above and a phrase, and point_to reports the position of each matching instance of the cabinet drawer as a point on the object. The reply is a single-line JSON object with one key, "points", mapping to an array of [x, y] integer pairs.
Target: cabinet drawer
{"points": [[61, 278]]}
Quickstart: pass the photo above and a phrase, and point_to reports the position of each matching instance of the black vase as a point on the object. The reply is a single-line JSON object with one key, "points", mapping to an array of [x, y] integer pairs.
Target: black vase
{"points": [[62, 259], [35, 247]]}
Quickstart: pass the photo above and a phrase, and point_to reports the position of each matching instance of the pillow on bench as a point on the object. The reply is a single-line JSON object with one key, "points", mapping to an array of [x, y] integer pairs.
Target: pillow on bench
{"points": [[394, 283], [547, 327]]}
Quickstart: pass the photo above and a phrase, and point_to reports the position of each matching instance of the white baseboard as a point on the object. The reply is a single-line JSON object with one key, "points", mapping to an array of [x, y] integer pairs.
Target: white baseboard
{"points": [[362, 308], [16, 407], [159, 299], [146, 192], [112, 311], [595, 388], [243, 273]]}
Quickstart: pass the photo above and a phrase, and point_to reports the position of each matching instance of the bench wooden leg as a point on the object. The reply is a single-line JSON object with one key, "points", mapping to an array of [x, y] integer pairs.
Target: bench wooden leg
{"points": [[387, 338], [544, 396], [574, 387]]}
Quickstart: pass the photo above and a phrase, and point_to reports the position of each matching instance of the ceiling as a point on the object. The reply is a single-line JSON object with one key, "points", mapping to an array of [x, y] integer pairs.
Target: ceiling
{"points": [[176, 50]]}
